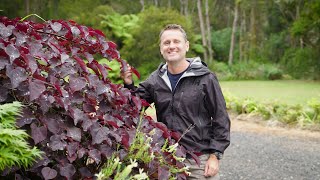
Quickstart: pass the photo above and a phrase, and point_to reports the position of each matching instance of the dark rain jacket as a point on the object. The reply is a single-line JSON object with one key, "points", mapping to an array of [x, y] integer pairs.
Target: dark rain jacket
{"points": [[196, 102]]}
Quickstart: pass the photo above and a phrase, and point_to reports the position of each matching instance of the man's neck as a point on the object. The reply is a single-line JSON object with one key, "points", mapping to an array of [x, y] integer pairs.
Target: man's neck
{"points": [[178, 67]]}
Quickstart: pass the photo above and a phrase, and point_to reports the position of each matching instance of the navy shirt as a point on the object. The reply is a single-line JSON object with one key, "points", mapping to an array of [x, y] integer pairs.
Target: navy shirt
{"points": [[174, 78]]}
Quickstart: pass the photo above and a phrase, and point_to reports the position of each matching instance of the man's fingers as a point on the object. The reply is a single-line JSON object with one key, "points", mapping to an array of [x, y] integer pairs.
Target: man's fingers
{"points": [[206, 169], [210, 171]]}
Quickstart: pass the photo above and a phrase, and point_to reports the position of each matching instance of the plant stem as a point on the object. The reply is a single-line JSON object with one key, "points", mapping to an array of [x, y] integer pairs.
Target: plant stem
{"points": [[32, 15]]}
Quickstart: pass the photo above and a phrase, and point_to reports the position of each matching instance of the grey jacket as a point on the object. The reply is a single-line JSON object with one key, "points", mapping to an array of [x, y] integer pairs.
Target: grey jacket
{"points": [[196, 103]]}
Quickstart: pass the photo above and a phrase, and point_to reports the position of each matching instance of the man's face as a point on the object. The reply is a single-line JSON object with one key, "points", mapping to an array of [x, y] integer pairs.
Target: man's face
{"points": [[173, 46]]}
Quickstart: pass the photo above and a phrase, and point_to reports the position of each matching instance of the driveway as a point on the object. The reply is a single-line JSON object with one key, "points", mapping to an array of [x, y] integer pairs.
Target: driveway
{"points": [[263, 152]]}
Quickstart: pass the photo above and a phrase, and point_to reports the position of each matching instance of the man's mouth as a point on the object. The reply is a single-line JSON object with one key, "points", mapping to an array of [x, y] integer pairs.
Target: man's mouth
{"points": [[171, 53]]}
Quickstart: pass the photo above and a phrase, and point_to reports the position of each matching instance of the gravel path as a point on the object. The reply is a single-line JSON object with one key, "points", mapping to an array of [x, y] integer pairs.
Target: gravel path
{"points": [[260, 152]]}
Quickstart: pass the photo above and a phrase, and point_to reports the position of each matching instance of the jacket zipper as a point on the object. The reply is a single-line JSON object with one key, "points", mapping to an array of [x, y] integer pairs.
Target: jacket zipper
{"points": [[200, 124], [172, 109]]}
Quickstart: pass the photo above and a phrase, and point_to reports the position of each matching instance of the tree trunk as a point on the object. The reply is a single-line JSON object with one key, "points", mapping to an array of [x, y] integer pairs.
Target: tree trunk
{"points": [[253, 30], [297, 17], [156, 3], [241, 38], [142, 5], [203, 33], [181, 6], [169, 3], [234, 29], [228, 9], [186, 13], [210, 58], [56, 8], [184, 7], [27, 3]]}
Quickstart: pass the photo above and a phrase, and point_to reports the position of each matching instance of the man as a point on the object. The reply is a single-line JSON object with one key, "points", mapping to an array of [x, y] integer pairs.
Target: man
{"points": [[187, 98]]}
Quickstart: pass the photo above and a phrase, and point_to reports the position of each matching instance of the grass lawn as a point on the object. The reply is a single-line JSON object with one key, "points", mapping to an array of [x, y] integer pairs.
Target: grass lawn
{"points": [[283, 91]]}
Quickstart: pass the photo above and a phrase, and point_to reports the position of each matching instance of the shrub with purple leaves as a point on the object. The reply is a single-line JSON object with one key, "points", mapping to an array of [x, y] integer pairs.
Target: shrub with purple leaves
{"points": [[73, 113]]}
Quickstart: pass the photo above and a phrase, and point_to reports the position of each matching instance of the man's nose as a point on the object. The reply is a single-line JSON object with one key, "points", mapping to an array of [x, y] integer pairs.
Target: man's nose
{"points": [[171, 45]]}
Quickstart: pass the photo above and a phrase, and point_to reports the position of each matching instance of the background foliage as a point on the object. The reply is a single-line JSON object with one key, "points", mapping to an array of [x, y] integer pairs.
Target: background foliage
{"points": [[283, 33]]}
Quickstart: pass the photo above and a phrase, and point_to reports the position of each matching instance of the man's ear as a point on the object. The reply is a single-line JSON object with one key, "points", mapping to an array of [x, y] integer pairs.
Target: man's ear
{"points": [[187, 44]]}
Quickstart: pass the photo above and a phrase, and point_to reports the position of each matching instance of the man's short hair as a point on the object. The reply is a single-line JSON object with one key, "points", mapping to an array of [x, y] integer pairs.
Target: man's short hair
{"points": [[174, 27]]}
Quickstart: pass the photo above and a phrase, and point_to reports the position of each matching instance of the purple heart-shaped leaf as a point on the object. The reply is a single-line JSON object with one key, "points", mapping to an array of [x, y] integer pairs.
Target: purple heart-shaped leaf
{"points": [[95, 155], [85, 172], [74, 133], [16, 75], [57, 143], [53, 125], [26, 117], [48, 173], [67, 171], [38, 134], [56, 26], [12, 52], [77, 83], [36, 88], [99, 134], [5, 31]]}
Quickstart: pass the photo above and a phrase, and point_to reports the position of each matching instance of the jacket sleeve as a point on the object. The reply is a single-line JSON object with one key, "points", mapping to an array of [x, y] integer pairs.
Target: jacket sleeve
{"points": [[216, 107], [144, 90]]}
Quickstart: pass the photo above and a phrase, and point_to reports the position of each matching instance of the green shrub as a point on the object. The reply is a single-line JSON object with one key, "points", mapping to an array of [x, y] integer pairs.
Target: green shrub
{"points": [[247, 71], [221, 43], [266, 110], [314, 104], [303, 116], [302, 63], [222, 70], [288, 114], [274, 47], [272, 72], [14, 149], [249, 106]]}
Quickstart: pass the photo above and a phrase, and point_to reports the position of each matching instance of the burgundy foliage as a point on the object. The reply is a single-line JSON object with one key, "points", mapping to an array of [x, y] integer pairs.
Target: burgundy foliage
{"points": [[72, 111]]}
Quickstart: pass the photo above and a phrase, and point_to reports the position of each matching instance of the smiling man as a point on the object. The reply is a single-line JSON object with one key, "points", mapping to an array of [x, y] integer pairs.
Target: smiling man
{"points": [[187, 98]]}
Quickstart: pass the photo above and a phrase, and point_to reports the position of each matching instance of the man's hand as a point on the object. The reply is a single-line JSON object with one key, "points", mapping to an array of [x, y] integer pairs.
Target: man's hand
{"points": [[212, 166], [126, 76]]}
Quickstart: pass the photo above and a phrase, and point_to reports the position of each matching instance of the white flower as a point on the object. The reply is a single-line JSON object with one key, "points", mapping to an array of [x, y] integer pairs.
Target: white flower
{"points": [[173, 147], [100, 176], [141, 175]]}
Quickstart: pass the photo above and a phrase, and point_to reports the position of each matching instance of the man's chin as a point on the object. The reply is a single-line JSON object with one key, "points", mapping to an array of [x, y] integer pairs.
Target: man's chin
{"points": [[170, 59]]}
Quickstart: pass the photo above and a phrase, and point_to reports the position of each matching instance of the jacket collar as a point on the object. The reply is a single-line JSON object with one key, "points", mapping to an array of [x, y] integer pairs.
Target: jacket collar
{"points": [[196, 68]]}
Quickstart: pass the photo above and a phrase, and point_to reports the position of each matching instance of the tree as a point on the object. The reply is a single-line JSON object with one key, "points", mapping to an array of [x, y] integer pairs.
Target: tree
{"points": [[203, 31], [307, 26], [184, 7], [208, 34], [142, 5], [242, 40], [234, 29]]}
